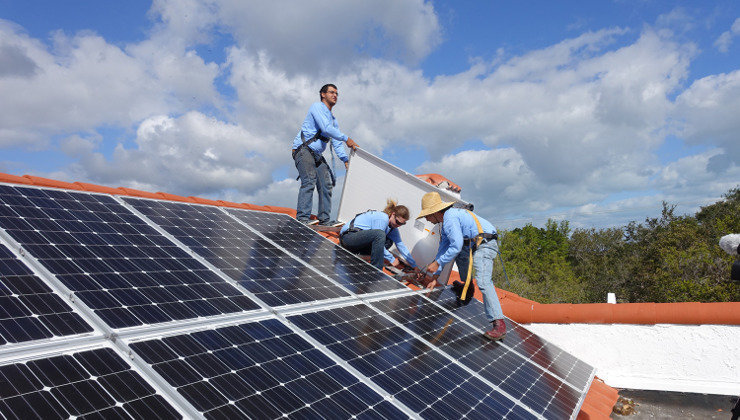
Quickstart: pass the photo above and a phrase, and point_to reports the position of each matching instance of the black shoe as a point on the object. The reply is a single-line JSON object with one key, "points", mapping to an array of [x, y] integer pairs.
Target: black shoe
{"points": [[331, 223]]}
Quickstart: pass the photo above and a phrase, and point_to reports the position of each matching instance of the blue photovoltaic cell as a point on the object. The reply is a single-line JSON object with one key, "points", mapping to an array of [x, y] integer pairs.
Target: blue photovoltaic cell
{"points": [[513, 373], [406, 367], [122, 268], [89, 384], [29, 309], [261, 370], [272, 275], [333, 260], [545, 354]]}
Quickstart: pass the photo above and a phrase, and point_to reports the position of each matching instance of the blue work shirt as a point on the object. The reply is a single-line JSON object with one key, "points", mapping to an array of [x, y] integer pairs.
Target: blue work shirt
{"points": [[374, 219], [319, 118], [457, 226]]}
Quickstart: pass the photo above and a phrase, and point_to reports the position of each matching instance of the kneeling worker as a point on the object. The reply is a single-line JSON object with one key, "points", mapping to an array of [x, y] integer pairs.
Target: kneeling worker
{"points": [[372, 232], [461, 230]]}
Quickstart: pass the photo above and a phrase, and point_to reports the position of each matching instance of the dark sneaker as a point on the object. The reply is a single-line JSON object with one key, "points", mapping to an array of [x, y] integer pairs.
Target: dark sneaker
{"points": [[309, 222], [331, 223], [497, 332]]}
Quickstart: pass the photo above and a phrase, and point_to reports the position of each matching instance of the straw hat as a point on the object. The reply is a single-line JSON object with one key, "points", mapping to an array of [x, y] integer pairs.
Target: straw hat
{"points": [[432, 203]]}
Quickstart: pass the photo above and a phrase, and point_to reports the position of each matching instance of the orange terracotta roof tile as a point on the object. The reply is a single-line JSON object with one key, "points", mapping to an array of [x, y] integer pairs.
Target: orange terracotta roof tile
{"points": [[99, 188], [139, 193], [438, 180], [173, 197], [14, 179], [46, 182]]}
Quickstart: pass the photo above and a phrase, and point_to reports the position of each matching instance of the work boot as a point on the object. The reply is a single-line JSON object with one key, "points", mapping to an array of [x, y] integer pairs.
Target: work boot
{"points": [[497, 332]]}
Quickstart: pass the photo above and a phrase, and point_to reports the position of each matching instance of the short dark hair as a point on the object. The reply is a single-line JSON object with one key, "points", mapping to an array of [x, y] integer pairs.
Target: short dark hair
{"points": [[326, 87]]}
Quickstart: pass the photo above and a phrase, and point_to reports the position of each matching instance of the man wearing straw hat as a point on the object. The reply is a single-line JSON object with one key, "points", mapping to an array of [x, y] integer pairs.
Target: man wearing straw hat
{"points": [[464, 234]]}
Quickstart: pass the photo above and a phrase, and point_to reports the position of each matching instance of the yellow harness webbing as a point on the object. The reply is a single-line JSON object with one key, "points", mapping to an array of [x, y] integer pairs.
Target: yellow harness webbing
{"points": [[478, 240]]}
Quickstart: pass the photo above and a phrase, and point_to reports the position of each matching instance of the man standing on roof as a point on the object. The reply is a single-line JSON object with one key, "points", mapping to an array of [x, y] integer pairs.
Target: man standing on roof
{"points": [[373, 232], [464, 233], [318, 129]]}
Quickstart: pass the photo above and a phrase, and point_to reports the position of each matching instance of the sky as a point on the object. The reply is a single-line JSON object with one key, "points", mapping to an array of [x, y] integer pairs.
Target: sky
{"points": [[590, 112]]}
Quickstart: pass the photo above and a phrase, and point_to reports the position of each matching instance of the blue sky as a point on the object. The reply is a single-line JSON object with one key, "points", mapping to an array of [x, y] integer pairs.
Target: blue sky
{"points": [[591, 112]]}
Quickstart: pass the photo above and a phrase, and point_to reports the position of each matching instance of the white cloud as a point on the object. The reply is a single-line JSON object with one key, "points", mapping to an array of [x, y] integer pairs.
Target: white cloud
{"points": [[724, 41], [82, 82], [569, 126], [708, 114], [192, 154]]}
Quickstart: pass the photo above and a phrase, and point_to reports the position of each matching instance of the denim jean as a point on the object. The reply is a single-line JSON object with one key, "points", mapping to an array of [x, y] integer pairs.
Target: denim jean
{"points": [[483, 260], [367, 242], [312, 177]]}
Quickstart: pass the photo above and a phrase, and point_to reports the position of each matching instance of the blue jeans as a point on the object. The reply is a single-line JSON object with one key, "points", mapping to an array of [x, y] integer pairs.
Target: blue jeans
{"points": [[367, 242], [312, 176], [483, 260]]}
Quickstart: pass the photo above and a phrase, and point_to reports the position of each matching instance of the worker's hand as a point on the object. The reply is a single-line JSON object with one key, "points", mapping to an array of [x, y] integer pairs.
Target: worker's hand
{"points": [[432, 283], [351, 144], [346, 165], [432, 267], [395, 263]]}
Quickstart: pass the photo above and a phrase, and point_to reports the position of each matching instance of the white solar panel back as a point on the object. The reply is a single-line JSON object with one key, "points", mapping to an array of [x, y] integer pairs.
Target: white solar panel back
{"points": [[370, 181]]}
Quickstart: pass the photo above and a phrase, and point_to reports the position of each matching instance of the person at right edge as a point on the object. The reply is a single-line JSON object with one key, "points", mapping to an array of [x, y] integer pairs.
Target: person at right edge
{"points": [[318, 129], [464, 233]]}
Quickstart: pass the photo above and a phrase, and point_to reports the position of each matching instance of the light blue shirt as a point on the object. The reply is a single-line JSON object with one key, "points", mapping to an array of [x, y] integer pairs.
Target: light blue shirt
{"points": [[374, 219], [457, 226], [319, 118]]}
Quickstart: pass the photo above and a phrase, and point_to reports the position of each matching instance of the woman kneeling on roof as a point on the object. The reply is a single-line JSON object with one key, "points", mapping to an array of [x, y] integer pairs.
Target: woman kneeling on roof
{"points": [[373, 232]]}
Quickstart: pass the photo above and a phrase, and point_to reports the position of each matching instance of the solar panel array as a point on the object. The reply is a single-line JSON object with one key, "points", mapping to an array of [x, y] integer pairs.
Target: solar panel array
{"points": [[132, 308]]}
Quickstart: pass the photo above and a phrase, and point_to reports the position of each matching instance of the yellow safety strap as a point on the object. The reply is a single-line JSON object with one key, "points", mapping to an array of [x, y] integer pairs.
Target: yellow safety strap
{"points": [[478, 240]]}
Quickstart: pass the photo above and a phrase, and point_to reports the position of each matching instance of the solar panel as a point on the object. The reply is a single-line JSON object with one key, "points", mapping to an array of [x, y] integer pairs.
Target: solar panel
{"points": [[257, 264], [88, 384], [260, 370], [334, 261], [560, 363], [414, 372], [121, 267], [396, 354], [511, 371], [29, 309]]}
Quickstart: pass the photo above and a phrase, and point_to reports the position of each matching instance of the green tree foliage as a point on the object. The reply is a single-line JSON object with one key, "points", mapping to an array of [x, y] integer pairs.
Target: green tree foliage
{"points": [[536, 262], [665, 259]]}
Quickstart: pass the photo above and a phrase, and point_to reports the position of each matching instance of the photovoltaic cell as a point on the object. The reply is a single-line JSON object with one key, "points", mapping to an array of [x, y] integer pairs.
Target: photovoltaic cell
{"points": [[530, 346], [523, 380], [29, 309], [122, 268], [336, 262], [258, 265], [406, 367], [261, 370], [89, 384]]}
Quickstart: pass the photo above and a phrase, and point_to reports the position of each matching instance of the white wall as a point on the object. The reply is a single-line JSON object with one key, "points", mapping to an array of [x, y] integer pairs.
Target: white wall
{"points": [[685, 358]]}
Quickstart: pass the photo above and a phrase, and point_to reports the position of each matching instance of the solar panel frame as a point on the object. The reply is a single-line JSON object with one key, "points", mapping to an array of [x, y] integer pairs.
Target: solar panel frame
{"points": [[269, 273], [396, 367], [497, 362], [30, 309], [328, 258], [528, 345], [80, 382], [64, 253], [197, 362], [173, 287]]}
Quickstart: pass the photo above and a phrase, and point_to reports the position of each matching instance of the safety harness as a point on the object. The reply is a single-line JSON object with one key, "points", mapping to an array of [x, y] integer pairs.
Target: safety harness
{"points": [[474, 243], [317, 160], [352, 229]]}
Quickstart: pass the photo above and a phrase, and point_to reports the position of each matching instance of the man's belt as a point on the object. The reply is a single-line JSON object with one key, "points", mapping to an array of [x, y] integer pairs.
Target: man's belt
{"points": [[485, 237]]}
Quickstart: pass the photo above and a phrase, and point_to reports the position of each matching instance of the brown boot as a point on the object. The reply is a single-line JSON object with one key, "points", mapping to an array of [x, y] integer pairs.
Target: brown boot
{"points": [[497, 332]]}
